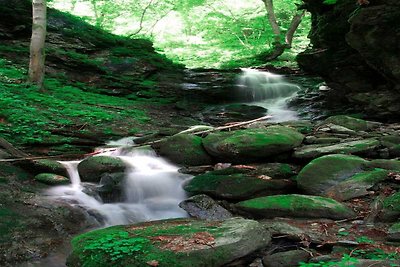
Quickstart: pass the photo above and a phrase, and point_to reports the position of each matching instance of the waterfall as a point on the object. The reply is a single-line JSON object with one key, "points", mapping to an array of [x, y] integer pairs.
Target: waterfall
{"points": [[152, 188], [267, 90]]}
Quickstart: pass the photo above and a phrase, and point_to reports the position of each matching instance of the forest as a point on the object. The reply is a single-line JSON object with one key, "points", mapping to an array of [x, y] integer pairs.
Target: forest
{"points": [[201, 133]]}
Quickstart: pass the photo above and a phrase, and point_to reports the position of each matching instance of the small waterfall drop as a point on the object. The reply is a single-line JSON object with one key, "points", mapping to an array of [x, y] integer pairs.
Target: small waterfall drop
{"points": [[152, 190], [268, 90]]}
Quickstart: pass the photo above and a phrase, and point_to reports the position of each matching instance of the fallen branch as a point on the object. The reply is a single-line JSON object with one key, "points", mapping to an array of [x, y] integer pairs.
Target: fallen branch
{"points": [[23, 156], [233, 125]]}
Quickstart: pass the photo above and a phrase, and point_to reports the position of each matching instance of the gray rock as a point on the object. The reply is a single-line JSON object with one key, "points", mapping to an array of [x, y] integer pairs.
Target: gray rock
{"points": [[364, 146], [286, 259], [204, 207]]}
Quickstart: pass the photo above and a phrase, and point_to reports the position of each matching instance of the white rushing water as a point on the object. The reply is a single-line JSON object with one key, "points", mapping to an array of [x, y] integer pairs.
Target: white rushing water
{"points": [[268, 90], [152, 190]]}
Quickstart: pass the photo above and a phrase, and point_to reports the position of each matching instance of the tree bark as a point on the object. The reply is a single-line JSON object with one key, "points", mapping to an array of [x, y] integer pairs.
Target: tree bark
{"points": [[37, 51], [280, 45], [293, 27]]}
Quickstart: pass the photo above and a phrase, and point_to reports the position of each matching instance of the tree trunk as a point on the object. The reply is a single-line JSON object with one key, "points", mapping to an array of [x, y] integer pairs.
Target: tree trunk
{"points": [[37, 54], [279, 46], [269, 5], [293, 27]]}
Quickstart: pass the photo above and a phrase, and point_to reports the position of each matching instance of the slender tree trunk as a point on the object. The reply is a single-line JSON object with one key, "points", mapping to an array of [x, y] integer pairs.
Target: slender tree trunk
{"points": [[280, 45], [293, 27], [269, 5], [37, 53]]}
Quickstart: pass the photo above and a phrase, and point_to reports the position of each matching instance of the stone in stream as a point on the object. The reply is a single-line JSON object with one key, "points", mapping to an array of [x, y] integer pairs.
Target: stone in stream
{"points": [[295, 206], [322, 173], [204, 207], [170, 243], [364, 146], [286, 259], [52, 179], [185, 149], [91, 169], [110, 187], [252, 144], [226, 184]]}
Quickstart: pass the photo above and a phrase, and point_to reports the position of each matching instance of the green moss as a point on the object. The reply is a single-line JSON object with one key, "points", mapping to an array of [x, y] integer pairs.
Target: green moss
{"points": [[138, 244], [326, 171], [186, 149], [296, 206], [252, 143], [51, 179], [392, 203]]}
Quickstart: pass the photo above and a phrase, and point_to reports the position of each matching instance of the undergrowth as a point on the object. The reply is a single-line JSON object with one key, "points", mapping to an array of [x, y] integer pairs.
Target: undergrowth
{"points": [[29, 116]]}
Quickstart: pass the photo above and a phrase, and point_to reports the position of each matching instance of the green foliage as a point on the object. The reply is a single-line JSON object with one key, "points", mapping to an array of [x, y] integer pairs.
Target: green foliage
{"points": [[115, 245], [197, 33], [28, 116]]}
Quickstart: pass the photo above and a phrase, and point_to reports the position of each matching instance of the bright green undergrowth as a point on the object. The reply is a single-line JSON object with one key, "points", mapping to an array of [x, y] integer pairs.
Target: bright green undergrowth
{"points": [[29, 116]]}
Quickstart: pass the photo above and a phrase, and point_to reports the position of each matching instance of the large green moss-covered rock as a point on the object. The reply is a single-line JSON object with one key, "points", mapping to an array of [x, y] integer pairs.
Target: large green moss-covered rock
{"points": [[91, 169], [237, 186], [169, 243], [185, 149], [324, 172], [252, 144], [363, 146], [299, 206], [52, 179]]}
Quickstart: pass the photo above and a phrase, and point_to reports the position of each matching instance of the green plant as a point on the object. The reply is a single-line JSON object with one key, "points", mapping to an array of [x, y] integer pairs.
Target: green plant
{"points": [[116, 246]]}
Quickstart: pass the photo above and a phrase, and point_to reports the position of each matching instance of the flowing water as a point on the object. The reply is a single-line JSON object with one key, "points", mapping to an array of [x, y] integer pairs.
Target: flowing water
{"points": [[268, 90], [152, 190]]}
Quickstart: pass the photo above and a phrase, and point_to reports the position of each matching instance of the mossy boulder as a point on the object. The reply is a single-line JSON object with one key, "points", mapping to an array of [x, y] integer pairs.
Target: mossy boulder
{"points": [[45, 166], [237, 186], [52, 179], [183, 149], [252, 144], [357, 185], [91, 169], [390, 208], [169, 243], [324, 172], [362, 147], [297, 206], [349, 122]]}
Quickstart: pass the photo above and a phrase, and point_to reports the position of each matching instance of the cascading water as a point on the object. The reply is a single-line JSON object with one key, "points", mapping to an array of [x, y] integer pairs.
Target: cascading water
{"points": [[152, 190], [268, 90]]}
